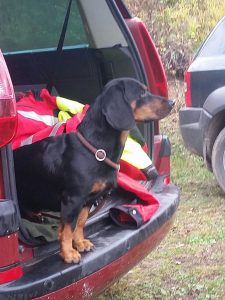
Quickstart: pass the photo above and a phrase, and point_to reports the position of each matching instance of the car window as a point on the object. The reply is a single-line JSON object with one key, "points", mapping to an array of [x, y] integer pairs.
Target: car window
{"points": [[36, 25], [215, 44]]}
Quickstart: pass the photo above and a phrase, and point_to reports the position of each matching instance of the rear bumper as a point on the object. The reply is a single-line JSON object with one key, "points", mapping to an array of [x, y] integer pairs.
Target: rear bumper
{"points": [[92, 285], [194, 123], [117, 250]]}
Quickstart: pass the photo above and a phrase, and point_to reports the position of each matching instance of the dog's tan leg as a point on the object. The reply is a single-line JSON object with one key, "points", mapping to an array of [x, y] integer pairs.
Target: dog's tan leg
{"points": [[68, 253], [79, 242]]}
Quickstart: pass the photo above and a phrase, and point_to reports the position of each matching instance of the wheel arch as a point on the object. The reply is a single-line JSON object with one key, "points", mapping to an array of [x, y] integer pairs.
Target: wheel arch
{"points": [[215, 102]]}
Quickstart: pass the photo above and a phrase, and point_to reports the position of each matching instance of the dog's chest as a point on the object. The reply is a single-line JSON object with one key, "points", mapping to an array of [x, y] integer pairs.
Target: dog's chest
{"points": [[103, 183], [99, 186]]}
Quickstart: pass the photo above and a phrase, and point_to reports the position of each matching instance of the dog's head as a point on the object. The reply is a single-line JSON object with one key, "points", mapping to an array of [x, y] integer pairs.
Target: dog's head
{"points": [[126, 101]]}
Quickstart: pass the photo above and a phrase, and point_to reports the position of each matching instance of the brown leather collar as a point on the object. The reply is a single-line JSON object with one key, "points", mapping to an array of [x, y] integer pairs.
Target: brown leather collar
{"points": [[100, 154]]}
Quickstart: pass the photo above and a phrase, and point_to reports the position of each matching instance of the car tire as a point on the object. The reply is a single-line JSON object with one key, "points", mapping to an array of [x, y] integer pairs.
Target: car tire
{"points": [[218, 159]]}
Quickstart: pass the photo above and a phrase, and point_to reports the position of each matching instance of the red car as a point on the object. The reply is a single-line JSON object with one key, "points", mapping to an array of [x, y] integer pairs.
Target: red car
{"points": [[74, 48]]}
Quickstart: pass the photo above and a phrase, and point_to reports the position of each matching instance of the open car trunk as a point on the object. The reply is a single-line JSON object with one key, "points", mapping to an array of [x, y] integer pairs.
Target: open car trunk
{"points": [[75, 63]]}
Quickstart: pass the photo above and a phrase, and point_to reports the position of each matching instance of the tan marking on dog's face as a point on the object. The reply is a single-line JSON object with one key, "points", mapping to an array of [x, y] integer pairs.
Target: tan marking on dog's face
{"points": [[156, 109], [67, 252], [98, 186], [145, 112]]}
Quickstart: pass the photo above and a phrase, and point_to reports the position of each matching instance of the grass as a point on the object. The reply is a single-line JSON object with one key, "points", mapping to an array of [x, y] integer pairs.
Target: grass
{"points": [[190, 261]]}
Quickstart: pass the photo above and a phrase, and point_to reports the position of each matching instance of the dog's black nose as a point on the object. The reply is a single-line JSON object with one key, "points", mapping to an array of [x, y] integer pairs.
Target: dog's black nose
{"points": [[171, 103]]}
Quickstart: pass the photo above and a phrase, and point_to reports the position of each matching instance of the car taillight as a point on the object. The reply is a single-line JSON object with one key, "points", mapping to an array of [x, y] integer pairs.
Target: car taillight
{"points": [[188, 100], [8, 117]]}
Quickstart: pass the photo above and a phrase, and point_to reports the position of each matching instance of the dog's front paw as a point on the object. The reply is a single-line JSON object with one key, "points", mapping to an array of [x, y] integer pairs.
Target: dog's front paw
{"points": [[83, 245], [71, 256]]}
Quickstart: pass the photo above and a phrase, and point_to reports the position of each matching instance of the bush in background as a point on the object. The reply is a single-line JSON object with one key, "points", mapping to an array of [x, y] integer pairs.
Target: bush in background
{"points": [[178, 27]]}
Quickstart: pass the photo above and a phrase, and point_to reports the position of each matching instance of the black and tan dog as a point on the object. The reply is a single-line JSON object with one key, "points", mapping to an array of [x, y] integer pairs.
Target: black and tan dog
{"points": [[61, 173]]}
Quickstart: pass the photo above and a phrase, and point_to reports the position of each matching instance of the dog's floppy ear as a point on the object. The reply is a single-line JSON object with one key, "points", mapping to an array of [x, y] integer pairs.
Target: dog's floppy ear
{"points": [[116, 108]]}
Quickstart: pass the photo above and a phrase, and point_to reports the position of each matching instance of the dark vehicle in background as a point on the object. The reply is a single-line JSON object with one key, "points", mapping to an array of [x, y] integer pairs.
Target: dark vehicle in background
{"points": [[202, 120], [100, 41]]}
